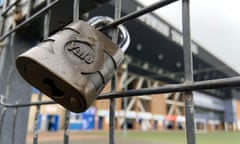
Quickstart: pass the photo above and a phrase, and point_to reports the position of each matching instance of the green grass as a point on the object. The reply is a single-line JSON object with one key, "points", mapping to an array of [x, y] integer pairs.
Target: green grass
{"points": [[177, 137], [165, 137], [219, 138]]}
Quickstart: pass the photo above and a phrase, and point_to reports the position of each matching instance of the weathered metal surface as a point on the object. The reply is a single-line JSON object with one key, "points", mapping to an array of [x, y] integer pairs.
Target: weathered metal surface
{"points": [[72, 66], [15, 90]]}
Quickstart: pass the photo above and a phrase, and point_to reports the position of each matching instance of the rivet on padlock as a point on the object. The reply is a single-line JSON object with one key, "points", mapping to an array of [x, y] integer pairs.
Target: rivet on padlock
{"points": [[73, 65]]}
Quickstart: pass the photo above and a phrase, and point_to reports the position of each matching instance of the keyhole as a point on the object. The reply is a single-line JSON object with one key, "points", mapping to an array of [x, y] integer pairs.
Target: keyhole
{"points": [[55, 90]]}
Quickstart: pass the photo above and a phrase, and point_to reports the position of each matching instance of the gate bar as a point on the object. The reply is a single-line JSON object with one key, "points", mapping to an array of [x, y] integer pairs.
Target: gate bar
{"points": [[6, 105], [188, 72], [76, 10], [14, 124], [9, 7], [112, 106], [66, 125], [46, 24], [30, 19], [67, 112], [3, 19], [138, 13], [36, 120], [200, 85], [125, 99], [3, 113], [183, 87], [112, 112]]}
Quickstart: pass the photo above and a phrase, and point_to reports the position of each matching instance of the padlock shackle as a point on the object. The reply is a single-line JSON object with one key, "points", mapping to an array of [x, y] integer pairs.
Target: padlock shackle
{"points": [[99, 21]]}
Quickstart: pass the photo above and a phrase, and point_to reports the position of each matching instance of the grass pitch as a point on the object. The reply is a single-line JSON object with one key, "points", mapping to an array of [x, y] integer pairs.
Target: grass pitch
{"points": [[178, 137], [138, 137]]}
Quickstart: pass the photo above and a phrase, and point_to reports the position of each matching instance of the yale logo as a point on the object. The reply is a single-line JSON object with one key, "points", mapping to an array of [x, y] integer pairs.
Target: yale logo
{"points": [[81, 50]]}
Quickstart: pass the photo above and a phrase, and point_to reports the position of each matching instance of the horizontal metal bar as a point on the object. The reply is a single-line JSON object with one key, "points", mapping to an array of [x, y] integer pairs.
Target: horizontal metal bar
{"points": [[9, 7], [24, 104], [200, 85], [138, 13], [30, 19]]}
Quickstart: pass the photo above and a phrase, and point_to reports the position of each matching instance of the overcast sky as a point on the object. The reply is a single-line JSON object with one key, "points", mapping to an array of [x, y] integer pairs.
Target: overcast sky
{"points": [[215, 24]]}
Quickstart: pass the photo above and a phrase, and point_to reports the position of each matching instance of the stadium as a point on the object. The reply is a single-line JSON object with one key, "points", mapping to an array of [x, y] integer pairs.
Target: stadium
{"points": [[155, 59], [214, 109]]}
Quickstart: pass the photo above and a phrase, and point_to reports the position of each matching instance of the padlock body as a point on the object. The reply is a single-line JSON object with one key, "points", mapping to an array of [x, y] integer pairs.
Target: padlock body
{"points": [[72, 66]]}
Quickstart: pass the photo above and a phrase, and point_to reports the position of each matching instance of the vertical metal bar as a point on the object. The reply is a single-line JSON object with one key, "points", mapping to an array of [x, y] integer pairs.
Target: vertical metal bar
{"points": [[67, 113], [125, 117], [125, 88], [14, 124], [188, 71], [3, 19], [36, 121], [76, 10], [66, 126], [46, 24], [10, 6], [117, 15], [29, 20], [11, 44], [29, 8], [188, 65], [112, 113], [3, 112]]}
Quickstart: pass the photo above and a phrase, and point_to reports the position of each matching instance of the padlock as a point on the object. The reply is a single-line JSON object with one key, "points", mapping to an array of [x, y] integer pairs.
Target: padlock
{"points": [[73, 66]]}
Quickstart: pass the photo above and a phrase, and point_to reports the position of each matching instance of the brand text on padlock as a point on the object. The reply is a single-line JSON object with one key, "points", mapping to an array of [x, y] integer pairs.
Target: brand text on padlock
{"points": [[82, 51]]}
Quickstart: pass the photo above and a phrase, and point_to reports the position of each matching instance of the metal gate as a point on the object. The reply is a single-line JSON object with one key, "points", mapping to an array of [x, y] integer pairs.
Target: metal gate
{"points": [[187, 86]]}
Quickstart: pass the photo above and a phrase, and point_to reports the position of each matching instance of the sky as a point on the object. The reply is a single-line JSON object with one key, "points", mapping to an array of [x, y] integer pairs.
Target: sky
{"points": [[215, 25]]}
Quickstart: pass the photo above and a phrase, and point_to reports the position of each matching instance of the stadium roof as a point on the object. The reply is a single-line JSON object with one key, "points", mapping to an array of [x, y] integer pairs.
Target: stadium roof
{"points": [[156, 50]]}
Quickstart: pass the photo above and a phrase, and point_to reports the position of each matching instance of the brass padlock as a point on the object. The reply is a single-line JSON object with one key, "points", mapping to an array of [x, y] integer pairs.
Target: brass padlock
{"points": [[73, 66]]}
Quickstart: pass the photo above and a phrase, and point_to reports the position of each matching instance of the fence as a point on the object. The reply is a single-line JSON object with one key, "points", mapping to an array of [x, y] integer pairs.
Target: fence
{"points": [[187, 86]]}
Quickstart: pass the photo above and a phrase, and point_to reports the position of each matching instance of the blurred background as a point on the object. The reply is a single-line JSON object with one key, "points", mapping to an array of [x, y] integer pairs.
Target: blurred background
{"points": [[154, 58]]}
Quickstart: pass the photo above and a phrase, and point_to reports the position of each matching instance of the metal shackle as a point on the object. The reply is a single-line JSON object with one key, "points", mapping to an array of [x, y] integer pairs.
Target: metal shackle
{"points": [[98, 21]]}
